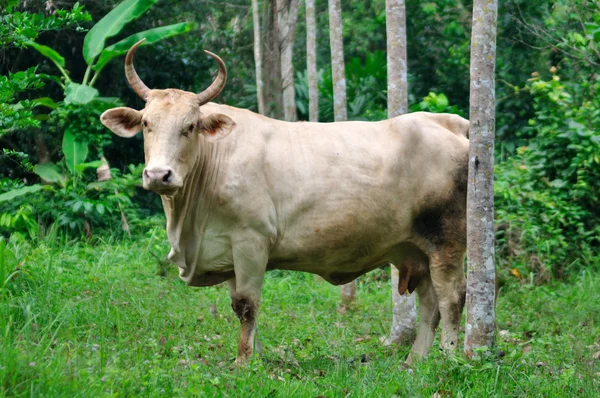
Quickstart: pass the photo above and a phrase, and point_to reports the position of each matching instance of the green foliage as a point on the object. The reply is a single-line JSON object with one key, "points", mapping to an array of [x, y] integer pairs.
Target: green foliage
{"points": [[111, 25], [548, 195], [10, 195], [436, 103], [75, 201], [79, 94], [94, 45], [366, 90], [48, 52], [75, 151], [8, 263], [151, 35], [82, 123], [18, 28], [15, 115], [75, 122], [49, 172]]}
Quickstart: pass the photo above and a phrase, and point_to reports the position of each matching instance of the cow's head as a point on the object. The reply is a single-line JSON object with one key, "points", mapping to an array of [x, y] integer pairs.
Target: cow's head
{"points": [[172, 124]]}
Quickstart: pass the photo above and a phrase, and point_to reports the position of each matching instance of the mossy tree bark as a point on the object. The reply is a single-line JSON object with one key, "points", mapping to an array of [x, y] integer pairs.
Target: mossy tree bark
{"points": [[481, 277], [404, 308], [258, 58], [311, 62], [287, 15]]}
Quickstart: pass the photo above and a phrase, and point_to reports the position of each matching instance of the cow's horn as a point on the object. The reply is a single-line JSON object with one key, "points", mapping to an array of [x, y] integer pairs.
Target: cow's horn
{"points": [[132, 77], [217, 85]]}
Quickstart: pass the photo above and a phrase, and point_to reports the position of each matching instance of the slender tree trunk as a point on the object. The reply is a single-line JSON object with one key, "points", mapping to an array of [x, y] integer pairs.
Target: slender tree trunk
{"points": [[311, 62], [481, 276], [340, 112], [404, 308], [258, 58], [397, 68], [287, 15], [337, 61], [271, 61]]}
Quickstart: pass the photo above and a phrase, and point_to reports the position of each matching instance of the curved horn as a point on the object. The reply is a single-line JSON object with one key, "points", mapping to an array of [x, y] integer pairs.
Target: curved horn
{"points": [[217, 85], [132, 77]]}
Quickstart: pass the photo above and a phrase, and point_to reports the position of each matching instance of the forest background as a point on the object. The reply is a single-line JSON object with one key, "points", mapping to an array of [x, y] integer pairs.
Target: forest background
{"points": [[83, 305], [548, 113]]}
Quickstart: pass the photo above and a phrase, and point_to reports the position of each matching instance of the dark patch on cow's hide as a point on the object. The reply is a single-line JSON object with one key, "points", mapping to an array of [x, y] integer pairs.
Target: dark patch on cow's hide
{"points": [[429, 225], [444, 219], [244, 308], [461, 177]]}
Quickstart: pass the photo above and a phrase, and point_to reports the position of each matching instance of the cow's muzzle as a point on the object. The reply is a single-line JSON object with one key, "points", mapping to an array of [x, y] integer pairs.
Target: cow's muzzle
{"points": [[160, 180]]}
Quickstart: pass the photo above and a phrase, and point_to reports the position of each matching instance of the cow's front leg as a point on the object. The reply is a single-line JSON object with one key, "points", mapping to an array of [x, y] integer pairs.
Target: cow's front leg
{"points": [[249, 263], [231, 285]]}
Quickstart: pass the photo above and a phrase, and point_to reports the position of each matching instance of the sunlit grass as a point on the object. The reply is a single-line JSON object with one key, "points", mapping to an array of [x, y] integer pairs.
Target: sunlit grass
{"points": [[95, 319]]}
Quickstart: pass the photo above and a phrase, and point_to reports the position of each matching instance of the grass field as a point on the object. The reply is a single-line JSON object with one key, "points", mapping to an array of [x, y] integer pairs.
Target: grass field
{"points": [[95, 319]]}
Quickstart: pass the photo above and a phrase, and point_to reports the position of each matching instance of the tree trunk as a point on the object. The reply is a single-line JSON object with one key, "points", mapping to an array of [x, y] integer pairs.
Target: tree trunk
{"points": [[404, 308], [340, 112], [481, 276], [287, 15], [404, 314], [337, 61], [396, 57], [258, 59], [271, 61], [311, 62]]}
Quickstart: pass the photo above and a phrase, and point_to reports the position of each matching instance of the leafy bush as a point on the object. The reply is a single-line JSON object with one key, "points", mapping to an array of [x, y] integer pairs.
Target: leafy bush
{"points": [[548, 195], [74, 202], [17, 28]]}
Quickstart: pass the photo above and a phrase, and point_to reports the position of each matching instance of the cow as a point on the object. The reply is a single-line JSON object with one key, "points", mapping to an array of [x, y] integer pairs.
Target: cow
{"points": [[244, 194]]}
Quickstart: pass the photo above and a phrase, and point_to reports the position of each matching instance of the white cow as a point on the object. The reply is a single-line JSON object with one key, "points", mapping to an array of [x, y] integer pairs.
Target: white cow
{"points": [[244, 194]]}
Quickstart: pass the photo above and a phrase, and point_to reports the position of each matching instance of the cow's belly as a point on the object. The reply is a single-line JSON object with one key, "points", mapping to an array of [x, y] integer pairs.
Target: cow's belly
{"points": [[350, 243]]}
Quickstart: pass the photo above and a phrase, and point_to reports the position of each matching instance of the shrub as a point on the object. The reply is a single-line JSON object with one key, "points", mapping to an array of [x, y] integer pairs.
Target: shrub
{"points": [[548, 194]]}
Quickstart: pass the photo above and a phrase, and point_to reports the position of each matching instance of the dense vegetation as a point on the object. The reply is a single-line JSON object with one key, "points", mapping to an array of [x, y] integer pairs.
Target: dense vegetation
{"points": [[64, 233]]}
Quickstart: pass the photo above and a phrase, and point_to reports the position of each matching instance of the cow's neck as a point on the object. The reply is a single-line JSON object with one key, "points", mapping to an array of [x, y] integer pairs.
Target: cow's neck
{"points": [[189, 210]]}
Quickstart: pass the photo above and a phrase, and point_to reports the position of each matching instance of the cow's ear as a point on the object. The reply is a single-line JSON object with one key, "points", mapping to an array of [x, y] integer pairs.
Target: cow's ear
{"points": [[125, 122], [217, 126]]}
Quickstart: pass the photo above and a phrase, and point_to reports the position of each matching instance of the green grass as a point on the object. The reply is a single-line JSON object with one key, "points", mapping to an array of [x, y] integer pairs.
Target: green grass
{"points": [[95, 319]]}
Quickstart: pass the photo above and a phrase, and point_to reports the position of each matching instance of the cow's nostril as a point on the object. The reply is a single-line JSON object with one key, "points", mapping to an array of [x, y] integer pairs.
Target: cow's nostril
{"points": [[167, 176], [146, 173]]}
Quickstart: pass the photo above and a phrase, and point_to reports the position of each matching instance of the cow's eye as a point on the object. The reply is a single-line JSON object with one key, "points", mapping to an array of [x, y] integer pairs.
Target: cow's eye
{"points": [[144, 123], [189, 130]]}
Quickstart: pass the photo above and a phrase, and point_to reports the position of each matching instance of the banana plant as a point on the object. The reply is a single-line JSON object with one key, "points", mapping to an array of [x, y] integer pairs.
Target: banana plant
{"points": [[97, 55], [75, 156]]}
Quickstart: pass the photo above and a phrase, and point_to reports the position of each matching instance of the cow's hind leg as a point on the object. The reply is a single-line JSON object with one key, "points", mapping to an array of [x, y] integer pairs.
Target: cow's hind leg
{"points": [[429, 319], [448, 277]]}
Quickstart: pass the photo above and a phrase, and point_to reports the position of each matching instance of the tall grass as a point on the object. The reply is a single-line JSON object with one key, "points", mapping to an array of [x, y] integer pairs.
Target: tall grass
{"points": [[94, 319]]}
